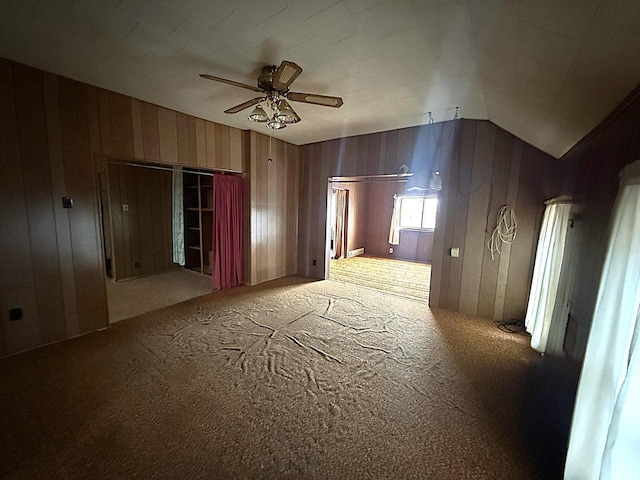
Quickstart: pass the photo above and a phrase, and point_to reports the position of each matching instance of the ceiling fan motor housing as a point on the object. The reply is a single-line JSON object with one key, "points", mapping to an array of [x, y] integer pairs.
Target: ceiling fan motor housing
{"points": [[265, 80]]}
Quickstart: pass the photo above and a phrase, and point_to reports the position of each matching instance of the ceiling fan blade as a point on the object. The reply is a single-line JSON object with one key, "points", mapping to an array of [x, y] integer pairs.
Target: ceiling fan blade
{"points": [[243, 105], [285, 75], [324, 100], [230, 82]]}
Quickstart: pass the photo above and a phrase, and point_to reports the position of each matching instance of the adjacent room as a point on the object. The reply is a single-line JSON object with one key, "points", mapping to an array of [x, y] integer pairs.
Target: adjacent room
{"points": [[343, 239], [381, 233]]}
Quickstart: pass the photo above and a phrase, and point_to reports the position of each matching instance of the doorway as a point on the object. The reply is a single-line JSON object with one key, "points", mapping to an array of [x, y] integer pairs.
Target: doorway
{"points": [[359, 246], [339, 222]]}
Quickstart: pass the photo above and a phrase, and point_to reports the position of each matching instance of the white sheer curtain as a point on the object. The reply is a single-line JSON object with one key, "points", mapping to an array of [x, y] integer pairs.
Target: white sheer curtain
{"points": [[562, 307], [605, 432], [546, 272], [394, 229], [177, 205]]}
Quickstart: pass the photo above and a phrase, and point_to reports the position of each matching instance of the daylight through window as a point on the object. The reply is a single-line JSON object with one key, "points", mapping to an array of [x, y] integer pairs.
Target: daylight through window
{"points": [[418, 213]]}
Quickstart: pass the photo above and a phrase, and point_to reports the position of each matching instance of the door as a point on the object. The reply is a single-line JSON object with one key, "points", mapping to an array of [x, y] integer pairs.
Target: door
{"points": [[339, 230]]}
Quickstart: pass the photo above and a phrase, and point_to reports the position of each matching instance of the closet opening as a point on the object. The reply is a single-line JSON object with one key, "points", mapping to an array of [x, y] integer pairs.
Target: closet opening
{"points": [[156, 226]]}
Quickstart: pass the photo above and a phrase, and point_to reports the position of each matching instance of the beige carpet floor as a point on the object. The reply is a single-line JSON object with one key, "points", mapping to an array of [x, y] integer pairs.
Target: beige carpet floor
{"points": [[134, 297], [290, 379], [409, 279]]}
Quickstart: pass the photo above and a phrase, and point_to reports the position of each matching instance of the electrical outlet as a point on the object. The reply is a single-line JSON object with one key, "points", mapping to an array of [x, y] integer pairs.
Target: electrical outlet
{"points": [[15, 314], [136, 264], [390, 249], [455, 252], [125, 207], [313, 262]]}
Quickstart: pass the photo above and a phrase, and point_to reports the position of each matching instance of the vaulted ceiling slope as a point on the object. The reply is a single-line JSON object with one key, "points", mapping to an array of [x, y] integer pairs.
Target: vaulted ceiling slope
{"points": [[547, 71]]}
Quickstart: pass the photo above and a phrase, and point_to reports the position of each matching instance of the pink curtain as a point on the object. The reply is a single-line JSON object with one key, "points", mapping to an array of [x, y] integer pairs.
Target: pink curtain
{"points": [[227, 232]]}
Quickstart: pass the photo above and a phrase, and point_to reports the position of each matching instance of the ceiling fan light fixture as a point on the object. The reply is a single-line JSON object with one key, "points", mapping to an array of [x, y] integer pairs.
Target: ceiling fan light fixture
{"points": [[285, 113], [276, 125], [258, 115]]}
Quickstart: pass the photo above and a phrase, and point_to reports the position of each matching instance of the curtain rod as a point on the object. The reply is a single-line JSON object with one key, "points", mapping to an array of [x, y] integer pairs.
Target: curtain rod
{"points": [[561, 199], [367, 178], [120, 161], [158, 167], [421, 195], [366, 181]]}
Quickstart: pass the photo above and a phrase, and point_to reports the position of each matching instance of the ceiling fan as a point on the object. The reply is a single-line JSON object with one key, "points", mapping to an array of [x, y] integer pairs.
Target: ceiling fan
{"points": [[273, 107]]}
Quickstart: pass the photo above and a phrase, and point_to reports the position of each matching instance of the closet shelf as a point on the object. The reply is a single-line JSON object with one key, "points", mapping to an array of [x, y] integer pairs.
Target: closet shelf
{"points": [[198, 195]]}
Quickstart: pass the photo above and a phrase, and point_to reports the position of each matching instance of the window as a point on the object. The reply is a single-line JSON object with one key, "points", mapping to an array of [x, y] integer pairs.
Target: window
{"points": [[418, 213]]}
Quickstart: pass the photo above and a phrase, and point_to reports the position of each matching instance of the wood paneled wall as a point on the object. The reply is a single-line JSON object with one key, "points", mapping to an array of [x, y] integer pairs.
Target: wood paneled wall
{"points": [[483, 167], [51, 128], [129, 128], [492, 168], [589, 173], [142, 235], [272, 208], [380, 201], [51, 257], [414, 246]]}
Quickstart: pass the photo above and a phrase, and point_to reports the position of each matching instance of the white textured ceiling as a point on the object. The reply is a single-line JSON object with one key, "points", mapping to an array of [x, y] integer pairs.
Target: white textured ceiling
{"points": [[546, 70]]}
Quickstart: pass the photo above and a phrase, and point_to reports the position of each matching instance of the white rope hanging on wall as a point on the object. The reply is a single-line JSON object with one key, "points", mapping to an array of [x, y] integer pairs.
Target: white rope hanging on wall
{"points": [[505, 231]]}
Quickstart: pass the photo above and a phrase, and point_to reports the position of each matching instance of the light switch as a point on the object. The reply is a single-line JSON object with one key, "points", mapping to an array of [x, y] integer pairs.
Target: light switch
{"points": [[67, 202], [125, 207], [455, 252]]}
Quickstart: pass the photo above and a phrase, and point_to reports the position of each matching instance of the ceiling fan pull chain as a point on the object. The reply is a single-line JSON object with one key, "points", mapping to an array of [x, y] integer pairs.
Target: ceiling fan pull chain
{"points": [[270, 159]]}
